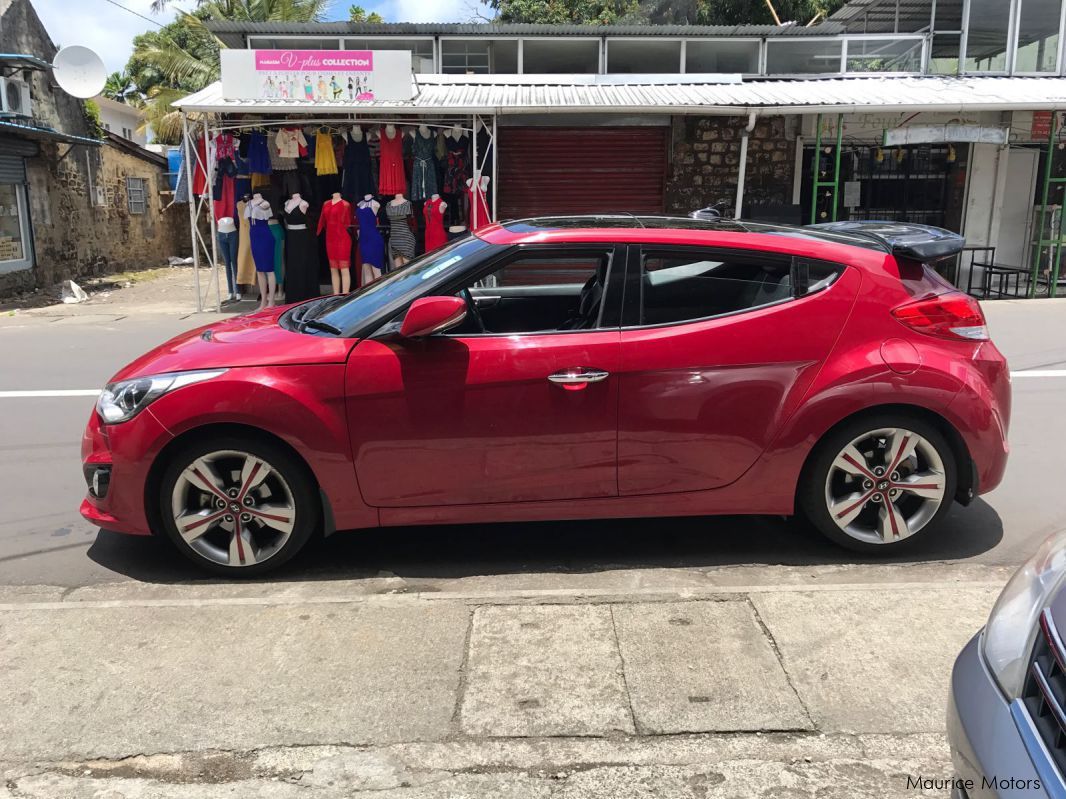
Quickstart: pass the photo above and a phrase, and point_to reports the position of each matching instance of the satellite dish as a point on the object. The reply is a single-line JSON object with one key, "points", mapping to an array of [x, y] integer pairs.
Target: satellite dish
{"points": [[79, 71]]}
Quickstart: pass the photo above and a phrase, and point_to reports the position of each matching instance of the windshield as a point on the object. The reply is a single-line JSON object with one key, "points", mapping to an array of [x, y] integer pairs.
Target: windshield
{"points": [[352, 310]]}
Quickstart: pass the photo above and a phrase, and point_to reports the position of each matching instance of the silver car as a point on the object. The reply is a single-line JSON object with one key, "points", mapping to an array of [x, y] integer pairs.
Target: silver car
{"points": [[1007, 708]]}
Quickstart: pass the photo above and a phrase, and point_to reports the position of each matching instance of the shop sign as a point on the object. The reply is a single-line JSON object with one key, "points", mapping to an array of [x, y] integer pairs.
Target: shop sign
{"points": [[940, 134], [317, 76], [1040, 127]]}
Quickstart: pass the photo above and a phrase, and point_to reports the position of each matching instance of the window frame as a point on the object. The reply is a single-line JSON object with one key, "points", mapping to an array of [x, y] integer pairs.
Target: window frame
{"points": [[130, 192], [22, 203], [633, 299], [611, 304]]}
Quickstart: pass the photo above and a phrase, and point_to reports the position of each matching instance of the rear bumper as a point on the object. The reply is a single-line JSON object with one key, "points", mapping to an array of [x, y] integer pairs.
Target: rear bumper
{"points": [[981, 411], [129, 450], [987, 748]]}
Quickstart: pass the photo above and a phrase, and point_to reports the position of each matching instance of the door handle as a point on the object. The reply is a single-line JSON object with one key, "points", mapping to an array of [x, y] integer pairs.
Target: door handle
{"points": [[578, 377]]}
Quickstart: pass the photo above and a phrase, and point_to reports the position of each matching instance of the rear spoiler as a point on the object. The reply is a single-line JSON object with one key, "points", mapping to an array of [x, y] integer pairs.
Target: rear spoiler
{"points": [[921, 242]]}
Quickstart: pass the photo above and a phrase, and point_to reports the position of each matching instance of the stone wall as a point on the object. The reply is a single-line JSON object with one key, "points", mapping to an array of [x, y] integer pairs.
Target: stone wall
{"points": [[705, 160], [73, 237]]}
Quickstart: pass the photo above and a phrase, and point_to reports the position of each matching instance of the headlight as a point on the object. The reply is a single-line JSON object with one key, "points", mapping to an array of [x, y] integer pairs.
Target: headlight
{"points": [[1009, 633], [120, 402]]}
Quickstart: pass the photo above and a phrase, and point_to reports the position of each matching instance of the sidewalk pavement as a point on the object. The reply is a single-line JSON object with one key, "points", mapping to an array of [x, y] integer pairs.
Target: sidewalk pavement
{"points": [[351, 688]]}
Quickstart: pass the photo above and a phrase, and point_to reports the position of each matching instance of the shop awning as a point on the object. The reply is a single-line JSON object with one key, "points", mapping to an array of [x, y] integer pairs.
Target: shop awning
{"points": [[682, 94]]}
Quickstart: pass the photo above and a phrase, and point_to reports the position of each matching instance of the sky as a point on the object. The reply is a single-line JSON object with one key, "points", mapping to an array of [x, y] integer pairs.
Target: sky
{"points": [[109, 30]]}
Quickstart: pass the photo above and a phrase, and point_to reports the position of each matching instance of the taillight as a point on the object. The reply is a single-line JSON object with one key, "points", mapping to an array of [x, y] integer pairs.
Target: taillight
{"points": [[953, 315]]}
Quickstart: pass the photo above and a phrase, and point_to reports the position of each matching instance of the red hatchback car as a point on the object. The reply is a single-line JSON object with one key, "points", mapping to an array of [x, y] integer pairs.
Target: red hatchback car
{"points": [[570, 368]]}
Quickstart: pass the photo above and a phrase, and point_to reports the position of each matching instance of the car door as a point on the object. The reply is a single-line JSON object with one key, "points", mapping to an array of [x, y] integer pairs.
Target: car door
{"points": [[718, 347], [471, 416]]}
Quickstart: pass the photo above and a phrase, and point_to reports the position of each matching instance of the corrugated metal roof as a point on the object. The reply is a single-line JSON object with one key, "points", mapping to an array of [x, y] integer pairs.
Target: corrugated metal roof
{"points": [[667, 94], [233, 33]]}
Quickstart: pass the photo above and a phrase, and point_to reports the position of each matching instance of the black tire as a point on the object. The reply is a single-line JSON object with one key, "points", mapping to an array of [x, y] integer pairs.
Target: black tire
{"points": [[296, 475], [811, 495]]}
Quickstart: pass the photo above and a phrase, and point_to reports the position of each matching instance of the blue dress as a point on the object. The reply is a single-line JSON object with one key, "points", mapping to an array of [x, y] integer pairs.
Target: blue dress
{"points": [[258, 154], [371, 244]]}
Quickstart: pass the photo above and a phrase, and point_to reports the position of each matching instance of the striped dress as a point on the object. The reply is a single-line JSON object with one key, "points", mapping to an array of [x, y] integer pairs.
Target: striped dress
{"points": [[401, 237]]}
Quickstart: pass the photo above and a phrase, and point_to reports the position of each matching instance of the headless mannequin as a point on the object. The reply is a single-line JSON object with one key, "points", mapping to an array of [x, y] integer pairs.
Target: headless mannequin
{"points": [[296, 200], [340, 271], [397, 259], [483, 184], [424, 131], [390, 130], [456, 132], [369, 272], [357, 133], [268, 283]]}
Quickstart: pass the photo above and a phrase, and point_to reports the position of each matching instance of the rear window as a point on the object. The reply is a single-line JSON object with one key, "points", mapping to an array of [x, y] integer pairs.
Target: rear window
{"points": [[689, 285]]}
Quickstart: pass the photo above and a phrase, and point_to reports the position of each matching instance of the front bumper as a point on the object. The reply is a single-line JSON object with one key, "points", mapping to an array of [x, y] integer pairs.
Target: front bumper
{"points": [[988, 746], [129, 449]]}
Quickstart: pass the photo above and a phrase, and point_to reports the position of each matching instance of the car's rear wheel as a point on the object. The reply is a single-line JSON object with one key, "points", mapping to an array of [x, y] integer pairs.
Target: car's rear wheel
{"points": [[237, 506], [875, 484]]}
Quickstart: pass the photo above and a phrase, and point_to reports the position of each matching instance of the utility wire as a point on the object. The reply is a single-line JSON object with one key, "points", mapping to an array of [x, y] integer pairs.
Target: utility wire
{"points": [[135, 13]]}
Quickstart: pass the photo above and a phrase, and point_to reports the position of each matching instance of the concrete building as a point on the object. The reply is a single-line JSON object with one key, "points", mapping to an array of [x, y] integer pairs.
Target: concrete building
{"points": [[121, 119], [73, 202]]}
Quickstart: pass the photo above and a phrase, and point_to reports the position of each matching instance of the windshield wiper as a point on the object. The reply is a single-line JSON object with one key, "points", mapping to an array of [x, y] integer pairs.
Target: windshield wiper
{"points": [[317, 324]]}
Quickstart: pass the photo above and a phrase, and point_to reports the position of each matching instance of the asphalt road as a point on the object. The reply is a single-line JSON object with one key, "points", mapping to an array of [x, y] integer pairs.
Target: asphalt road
{"points": [[44, 541]]}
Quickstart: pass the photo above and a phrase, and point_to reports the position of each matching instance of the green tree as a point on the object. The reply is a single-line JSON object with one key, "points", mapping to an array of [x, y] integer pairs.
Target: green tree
{"points": [[121, 87], [358, 14], [182, 57], [662, 12]]}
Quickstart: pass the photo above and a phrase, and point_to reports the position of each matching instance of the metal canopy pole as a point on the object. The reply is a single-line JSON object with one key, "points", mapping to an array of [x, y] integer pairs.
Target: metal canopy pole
{"points": [[475, 179], [211, 215], [495, 171], [1053, 242], [190, 172]]}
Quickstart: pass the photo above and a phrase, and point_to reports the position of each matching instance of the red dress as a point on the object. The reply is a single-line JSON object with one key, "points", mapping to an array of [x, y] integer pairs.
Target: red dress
{"points": [[475, 195], [335, 218], [435, 235], [391, 176]]}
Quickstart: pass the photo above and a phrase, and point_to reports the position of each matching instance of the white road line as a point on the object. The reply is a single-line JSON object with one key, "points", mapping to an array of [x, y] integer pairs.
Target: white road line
{"points": [[67, 392], [93, 392], [48, 392]]}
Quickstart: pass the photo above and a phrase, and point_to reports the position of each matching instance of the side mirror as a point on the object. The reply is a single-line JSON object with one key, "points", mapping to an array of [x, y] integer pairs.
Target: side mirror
{"points": [[431, 315]]}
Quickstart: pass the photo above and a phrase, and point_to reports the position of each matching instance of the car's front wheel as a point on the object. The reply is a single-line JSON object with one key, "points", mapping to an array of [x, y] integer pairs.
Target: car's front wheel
{"points": [[237, 506], [877, 482]]}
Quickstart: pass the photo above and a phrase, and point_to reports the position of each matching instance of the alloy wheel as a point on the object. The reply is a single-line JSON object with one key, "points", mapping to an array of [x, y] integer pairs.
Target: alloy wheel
{"points": [[233, 508], [885, 485]]}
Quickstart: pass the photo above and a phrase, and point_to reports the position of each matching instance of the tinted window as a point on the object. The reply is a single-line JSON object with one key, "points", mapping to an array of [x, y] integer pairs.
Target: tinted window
{"points": [[540, 291], [431, 269], [678, 287]]}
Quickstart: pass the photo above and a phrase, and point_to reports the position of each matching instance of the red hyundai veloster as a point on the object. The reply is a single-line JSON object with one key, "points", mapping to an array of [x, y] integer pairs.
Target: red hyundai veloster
{"points": [[570, 368]]}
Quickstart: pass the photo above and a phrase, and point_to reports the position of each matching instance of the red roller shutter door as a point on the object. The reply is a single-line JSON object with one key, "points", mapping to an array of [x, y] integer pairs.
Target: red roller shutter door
{"points": [[552, 171]]}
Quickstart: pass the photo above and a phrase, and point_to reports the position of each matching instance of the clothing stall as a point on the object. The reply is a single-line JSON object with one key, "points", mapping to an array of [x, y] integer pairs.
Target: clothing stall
{"points": [[306, 203]]}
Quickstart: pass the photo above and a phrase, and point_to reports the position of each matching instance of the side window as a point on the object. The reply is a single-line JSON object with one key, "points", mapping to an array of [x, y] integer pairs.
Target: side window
{"points": [[683, 286], [813, 276], [540, 292]]}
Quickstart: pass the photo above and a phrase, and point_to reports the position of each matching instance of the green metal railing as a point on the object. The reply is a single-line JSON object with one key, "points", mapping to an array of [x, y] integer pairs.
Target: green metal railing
{"points": [[817, 184], [1052, 245]]}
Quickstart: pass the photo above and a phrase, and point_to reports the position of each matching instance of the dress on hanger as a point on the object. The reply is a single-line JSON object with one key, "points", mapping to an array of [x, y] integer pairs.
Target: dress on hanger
{"points": [[245, 264], [391, 177], [435, 234], [199, 180], [358, 177], [457, 171], [290, 143], [301, 256], [325, 162], [258, 154], [476, 199], [371, 244], [262, 240], [401, 238], [334, 219], [423, 170]]}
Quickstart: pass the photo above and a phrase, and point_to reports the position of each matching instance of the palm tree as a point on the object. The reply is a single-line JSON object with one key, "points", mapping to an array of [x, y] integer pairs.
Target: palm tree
{"points": [[120, 87], [184, 55]]}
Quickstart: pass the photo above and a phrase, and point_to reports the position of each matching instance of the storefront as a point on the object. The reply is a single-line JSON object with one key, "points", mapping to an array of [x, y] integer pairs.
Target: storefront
{"points": [[518, 145]]}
